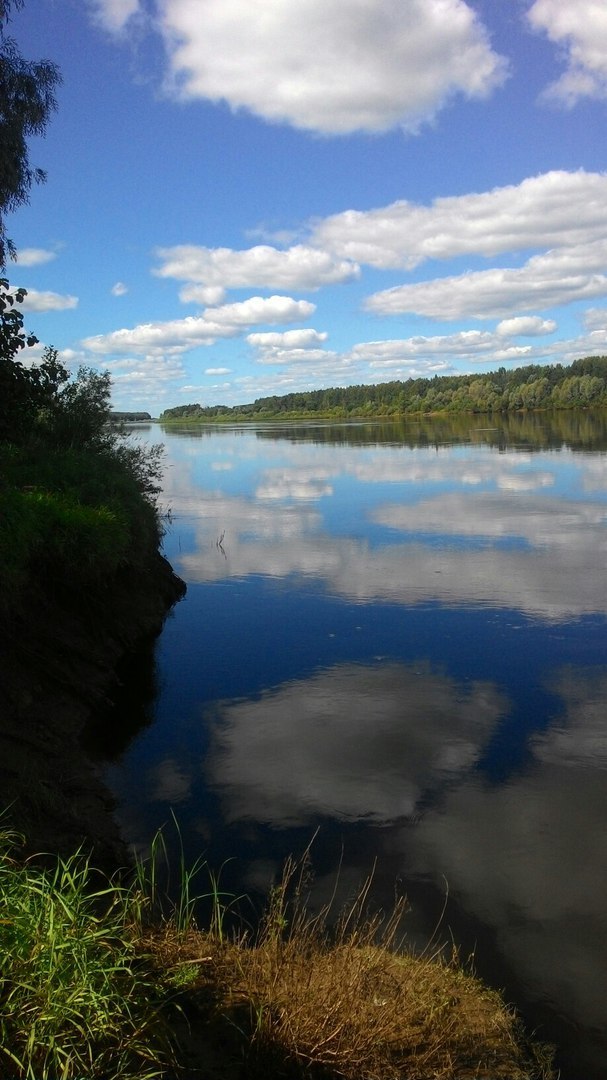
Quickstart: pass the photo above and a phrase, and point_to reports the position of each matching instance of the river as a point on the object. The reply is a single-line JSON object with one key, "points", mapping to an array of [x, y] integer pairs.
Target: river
{"points": [[394, 634]]}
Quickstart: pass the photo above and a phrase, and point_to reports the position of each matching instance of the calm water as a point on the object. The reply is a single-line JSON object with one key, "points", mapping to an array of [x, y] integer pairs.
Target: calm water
{"points": [[396, 633]]}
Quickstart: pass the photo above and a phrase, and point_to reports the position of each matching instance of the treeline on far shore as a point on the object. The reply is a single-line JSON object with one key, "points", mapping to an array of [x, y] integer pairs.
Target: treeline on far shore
{"points": [[556, 386]]}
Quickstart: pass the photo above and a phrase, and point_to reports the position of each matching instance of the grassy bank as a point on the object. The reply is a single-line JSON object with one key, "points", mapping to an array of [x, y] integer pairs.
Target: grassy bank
{"points": [[96, 981], [81, 582]]}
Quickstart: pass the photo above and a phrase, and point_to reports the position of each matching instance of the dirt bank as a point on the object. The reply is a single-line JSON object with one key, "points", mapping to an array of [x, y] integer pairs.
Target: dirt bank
{"points": [[58, 657]]}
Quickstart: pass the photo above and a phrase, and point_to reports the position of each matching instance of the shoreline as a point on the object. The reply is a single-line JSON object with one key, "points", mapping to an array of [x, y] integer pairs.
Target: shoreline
{"points": [[59, 670]]}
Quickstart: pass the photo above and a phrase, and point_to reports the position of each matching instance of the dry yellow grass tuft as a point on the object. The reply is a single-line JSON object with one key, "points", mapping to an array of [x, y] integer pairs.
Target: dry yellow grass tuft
{"points": [[344, 1002]]}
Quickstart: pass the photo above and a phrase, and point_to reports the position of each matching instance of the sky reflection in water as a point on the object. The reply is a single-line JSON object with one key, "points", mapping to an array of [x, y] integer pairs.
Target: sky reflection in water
{"points": [[406, 645]]}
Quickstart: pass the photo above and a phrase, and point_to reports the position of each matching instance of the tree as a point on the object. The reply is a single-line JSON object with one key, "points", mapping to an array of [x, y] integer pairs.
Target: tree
{"points": [[27, 100], [15, 380]]}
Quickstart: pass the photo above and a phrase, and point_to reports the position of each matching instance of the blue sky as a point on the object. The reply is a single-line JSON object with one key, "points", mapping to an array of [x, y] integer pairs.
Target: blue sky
{"points": [[246, 199]]}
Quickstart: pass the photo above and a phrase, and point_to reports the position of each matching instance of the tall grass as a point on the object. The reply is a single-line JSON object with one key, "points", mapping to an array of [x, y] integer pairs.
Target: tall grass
{"points": [[91, 971], [76, 999], [349, 1001]]}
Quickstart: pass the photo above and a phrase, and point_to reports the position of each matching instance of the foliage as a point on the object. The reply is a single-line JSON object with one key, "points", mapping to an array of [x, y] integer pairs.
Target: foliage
{"points": [[27, 100], [129, 417], [77, 500], [75, 998], [581, 384], [15, 383]]}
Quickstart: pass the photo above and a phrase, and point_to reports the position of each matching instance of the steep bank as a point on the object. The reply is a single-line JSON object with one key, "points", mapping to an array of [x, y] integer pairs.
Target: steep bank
{"points": [[59, 648]]}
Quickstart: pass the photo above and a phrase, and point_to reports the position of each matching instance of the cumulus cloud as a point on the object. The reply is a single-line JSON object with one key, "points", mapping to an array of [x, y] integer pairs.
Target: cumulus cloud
{"points": [[581, 29], [330, 68], [525, 326], [292, 346], [119, 289], [466, 343], [290, 339], [48, 301], [175, 336], [217, 371], [34, 256], [557, 277], [210, 270], [259, 309], [179, 335], [144, 380], [551, 210]]}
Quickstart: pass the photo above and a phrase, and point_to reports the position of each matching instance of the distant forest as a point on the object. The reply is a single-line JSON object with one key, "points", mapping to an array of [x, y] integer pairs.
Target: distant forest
{"points": [[129, 417], [578, 385]]}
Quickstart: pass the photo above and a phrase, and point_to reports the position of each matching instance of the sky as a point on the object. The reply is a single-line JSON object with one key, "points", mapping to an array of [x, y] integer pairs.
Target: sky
{"points": [[245, 199]]}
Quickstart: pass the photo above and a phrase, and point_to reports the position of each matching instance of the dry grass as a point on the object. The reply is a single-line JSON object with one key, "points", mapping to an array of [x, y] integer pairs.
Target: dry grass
{"points": [[303, 999]]}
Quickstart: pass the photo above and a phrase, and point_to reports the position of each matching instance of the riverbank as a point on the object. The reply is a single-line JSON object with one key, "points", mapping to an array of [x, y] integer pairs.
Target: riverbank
{"points": [[99, 980], [60, 649]]}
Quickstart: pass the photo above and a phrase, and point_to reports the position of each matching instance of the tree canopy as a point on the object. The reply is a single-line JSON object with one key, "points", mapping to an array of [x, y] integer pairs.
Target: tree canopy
{"points": [[27, 101], [550, 386]]}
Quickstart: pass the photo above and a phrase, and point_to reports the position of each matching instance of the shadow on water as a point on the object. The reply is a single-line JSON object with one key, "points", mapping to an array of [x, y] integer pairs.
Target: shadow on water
{"points": [[131, 709]]}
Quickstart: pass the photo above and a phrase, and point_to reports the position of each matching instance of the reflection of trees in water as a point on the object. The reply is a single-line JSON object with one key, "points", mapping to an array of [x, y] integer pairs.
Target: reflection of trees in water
{"points": [[132, 706], [582, 429]]}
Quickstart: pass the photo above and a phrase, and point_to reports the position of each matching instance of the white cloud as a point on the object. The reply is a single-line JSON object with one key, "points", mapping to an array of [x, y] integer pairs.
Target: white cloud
{"points": [[581, 28], [294, 356], [547, 280], [144, 380], [595, 318], [291, 347], [202, 294], [525, 326], [324, 66], [290, 339], [158, 338], [48, 301], [113, 15], [551, 210], [217, 371], [34, 256], [119, 289], [180, 335], [259, 309], [467, 343], [263, 266]]}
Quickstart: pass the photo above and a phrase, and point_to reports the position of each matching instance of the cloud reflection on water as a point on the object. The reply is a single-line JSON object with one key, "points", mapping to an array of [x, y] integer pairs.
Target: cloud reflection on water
{"points": [[554, 568], [467, 525], [530, 858], [354, 742]]}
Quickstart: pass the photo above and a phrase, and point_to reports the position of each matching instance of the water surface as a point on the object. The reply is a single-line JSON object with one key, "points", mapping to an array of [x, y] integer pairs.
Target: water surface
{"points": [[397, 634]]}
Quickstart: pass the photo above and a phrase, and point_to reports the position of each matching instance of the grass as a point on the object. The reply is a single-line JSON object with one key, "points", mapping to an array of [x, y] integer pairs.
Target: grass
{"points": [[348, 1002], [93, 974], [76, 1000]]}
